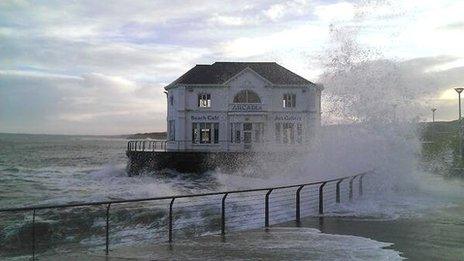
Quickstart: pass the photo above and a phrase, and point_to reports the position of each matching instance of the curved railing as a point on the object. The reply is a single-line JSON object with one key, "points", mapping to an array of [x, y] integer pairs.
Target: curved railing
{"points": [[320, 205]]}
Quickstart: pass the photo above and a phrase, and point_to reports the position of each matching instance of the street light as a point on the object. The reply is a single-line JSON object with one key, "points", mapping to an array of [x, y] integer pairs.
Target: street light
{"points": [[459, 90], [433, 114]]}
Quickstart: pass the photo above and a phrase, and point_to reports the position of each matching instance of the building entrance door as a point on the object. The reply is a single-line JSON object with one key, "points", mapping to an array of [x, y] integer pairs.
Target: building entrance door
{"points": [[247, 135]]}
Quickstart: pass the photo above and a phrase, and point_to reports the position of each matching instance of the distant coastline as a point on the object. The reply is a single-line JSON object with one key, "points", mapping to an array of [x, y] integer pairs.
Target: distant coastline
{"points": [[147, 135]]}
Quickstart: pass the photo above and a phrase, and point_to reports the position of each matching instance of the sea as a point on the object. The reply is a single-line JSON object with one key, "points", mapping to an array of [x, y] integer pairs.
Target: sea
{"points": [[423, 222]]}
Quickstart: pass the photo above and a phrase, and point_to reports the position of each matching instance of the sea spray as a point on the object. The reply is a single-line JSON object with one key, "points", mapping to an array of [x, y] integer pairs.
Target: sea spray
{"points": [[369, 122], [371, 109]]}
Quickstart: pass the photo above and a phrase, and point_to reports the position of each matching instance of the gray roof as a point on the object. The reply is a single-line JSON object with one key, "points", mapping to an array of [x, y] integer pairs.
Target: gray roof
{"points": [[221, 72]]}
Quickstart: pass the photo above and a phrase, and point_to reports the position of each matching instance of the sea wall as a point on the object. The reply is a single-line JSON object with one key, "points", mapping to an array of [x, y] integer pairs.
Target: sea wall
{"points": [[186, 162]]}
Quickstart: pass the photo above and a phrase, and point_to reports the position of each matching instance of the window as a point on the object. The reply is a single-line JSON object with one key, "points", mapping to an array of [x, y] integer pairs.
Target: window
{"points": [[277, 133], [235, 132], [285, 132], [238, 134], [231, 132], [216, 132], [247, 96], [289, 136], [259, 132], [205, 132], [289, 100], [299, 132], [204, 100], [195, 133], [171, 100], [172, 130]]}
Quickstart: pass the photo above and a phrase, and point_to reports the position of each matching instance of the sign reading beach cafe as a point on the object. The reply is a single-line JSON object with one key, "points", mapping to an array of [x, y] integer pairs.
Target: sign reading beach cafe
{"points": [[244, 107]]}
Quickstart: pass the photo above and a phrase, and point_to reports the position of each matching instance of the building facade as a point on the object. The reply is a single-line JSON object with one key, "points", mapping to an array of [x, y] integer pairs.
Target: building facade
{"points": [[239, 106]]}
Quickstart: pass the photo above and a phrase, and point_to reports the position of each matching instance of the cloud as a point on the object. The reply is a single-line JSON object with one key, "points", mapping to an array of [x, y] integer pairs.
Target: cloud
{"points": [[99, 66], [228, 20], [91, 104], [288, 8], [453, 26], [275, 11], [342, 11]]}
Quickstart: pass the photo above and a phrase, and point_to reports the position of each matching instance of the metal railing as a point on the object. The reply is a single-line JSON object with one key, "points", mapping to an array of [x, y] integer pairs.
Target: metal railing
{"points": [[221, 145], [146, 145], [225, 194]]}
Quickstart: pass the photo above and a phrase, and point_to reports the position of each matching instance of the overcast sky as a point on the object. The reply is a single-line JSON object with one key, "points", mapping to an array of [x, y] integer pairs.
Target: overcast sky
{"points": [[99, 67]]}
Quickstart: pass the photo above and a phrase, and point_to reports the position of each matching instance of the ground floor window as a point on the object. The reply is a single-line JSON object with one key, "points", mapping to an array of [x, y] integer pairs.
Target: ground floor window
{"points": [[246, 132], [235, 132], [286, 132], [258, 129], [299, 132], [172, 130], [205, 132]]}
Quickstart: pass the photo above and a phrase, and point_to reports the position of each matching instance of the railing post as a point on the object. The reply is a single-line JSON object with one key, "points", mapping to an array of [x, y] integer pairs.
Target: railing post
{"points": [[338, 191], [223, 215], [297, 204], [143, 147], [170, 219], [33, 234], [351, 188], [361, 185], [266, 209], [321, 198], [107, 242]]}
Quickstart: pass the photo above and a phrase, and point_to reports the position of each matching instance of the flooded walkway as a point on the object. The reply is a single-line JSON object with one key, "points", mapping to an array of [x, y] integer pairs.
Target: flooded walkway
{"points": [[277, 243], [437, 234]]}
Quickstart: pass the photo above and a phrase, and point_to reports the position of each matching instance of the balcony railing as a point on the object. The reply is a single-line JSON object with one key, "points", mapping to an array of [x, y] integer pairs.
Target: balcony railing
{"points": [[222, 145], [146, 145]]}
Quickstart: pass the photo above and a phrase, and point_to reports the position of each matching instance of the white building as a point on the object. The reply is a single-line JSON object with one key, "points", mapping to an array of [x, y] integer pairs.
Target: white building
{"points": [[240, 106]]}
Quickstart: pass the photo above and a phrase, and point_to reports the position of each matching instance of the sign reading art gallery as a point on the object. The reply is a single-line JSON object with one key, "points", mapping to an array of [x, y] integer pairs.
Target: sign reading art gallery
{"points": [[288, 118], [204, 117], [246, 107]]}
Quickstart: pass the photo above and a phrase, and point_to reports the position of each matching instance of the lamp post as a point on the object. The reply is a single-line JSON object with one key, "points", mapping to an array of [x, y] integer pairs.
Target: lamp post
{"points": [[459, 90], [433, 114]]}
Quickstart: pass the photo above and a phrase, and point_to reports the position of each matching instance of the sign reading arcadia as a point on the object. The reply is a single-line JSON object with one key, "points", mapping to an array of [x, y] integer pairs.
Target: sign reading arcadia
{"points": [[246, 107]]}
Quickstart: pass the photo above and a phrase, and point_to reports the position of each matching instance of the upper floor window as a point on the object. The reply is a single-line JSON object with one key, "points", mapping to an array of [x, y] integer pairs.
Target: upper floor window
{"points": [[289, 100], [171, 100], [204, 100], [247, 96]]}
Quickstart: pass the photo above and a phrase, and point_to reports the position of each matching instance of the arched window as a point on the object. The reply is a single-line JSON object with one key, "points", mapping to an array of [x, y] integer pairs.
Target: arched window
{"points": [[247, 96]]}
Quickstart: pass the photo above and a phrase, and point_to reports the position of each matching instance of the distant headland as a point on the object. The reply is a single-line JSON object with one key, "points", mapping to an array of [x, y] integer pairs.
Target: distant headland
{"points": [[147, 135]]}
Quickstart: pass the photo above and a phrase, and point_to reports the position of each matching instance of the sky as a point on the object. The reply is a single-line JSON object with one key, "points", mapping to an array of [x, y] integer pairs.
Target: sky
{"points": [[99, 67]]}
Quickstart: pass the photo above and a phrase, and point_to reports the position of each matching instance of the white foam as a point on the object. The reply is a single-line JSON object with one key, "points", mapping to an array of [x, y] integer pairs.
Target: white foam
{"points": [[277, 243]]}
